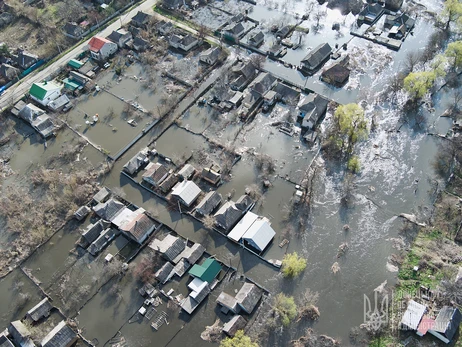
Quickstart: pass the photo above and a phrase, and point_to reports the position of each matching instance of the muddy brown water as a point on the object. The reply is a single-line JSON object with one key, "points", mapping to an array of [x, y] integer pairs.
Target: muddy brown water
{"points": [[395, 177]]}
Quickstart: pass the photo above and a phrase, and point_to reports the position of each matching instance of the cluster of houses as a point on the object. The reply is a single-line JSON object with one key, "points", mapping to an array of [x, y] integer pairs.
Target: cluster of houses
{"points": [[443, 323], [231, 218], [389, 30], [24, 332], [14, 64], [114, 218]]}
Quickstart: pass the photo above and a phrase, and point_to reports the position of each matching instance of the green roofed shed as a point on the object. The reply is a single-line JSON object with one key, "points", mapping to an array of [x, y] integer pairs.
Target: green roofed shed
{"points": [[75, 64], [70, 85], [207, 271]]}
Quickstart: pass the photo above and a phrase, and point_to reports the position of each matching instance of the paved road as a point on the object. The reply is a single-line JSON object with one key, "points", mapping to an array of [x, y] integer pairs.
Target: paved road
{"points": [[16, 91]]}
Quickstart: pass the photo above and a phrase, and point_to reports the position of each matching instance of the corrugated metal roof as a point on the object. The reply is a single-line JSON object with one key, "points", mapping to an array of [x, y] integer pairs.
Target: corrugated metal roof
{"points": [[259, 234], [413, 315], [187, 191], [241, 228], [61, 336]]}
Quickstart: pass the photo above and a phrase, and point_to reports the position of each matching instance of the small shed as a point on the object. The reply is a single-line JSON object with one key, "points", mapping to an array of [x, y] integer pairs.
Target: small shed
{"points": [[228, 303], [75, 64], [5, 342], [244, 202], [187, 171], [207, 272], [102, 196], [82, 212], [248, 297], [187, 192], [170, 247], [163, 274], [412, 316], [191, 254], [39, 311], [236, 323], [210, 175], [19, 332]]}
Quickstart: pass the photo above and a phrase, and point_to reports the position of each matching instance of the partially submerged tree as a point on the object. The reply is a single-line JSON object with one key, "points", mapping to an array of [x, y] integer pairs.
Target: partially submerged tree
{"points": [[293, 265], [454, 54], [239, 340], [285, 308], [350, 126], [452, 13], [418, 84], [257, 60]]}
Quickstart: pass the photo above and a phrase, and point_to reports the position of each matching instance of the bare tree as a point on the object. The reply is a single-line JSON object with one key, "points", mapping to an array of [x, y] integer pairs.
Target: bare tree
{"points": [[258, 60], [412, 58]]}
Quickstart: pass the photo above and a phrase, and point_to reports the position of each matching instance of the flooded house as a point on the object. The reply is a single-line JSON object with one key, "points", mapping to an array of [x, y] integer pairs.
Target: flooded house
{"points": [[164, 273], [141, 19], [211, 176], [109, 210], [316, 58], [101, 48], [233, 32], [242, 226], [283, 32], [168, 183], [444, 327], [170, 246], [244, 203], [40, 311], [73, 30], [25, 59], [186, 192], [36, 117], [155, 174], [210, 56], [399, 26], [338, 74], [370, 14], [61, 336], [45, 92], [256, 39], [20, 334], [245, 300], [187, 258], [236, 323], [187, 171], [241, 75], [106, 236], [311, 110], [139, 44], [209, 203], [248, 297], [164, 28], [9, 72], [183, 42], [139, 228], [120, 37], [199, 291], [136, 163], [288, 94], [259, 235], [263, 83], [207, 271], [228, 216], [5, 341], [93, 231]]}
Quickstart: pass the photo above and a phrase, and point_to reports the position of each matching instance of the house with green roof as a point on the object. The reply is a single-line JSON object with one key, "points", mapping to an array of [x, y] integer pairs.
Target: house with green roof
{"points": [[45, 92], [207, 272]]}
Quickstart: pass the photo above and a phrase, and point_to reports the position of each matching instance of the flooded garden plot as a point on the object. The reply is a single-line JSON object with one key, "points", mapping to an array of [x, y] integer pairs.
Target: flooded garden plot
{"points": [[17, 295], [209, 16]]}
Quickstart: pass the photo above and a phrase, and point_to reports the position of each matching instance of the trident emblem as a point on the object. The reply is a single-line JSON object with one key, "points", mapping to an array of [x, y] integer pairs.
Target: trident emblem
{"points": [[376, 317]]}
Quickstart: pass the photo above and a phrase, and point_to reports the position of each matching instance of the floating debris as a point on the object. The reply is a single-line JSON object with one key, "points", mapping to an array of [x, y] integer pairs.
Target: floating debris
{"points": [[335, 268], [132, 122]]}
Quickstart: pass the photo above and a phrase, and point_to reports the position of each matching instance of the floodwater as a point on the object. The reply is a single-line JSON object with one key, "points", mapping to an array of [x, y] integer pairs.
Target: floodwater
{"points": [[395, 177]]}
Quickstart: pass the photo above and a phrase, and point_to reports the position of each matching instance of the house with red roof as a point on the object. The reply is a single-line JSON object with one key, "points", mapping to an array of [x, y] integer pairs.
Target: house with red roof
{"points": [[101, 48]]}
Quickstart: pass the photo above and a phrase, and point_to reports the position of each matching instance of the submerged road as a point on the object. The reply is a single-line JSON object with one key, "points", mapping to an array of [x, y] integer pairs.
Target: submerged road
{"points": [[16, 91]]}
